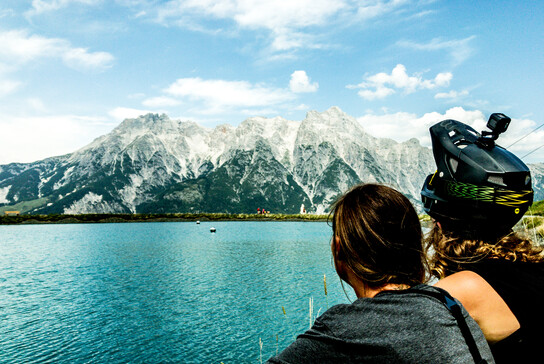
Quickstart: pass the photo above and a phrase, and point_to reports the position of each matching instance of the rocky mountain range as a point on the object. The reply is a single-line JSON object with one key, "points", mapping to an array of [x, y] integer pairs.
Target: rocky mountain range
{"points": [[153, 164]]}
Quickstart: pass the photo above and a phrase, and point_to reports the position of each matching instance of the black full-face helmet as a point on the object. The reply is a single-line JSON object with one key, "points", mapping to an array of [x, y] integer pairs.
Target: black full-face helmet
{"points": [[480, 190]]}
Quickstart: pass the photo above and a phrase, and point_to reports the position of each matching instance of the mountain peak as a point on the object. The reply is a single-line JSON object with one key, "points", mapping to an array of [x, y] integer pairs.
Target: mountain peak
{"points": [[332, 112], [143, 122], [333, 118]]}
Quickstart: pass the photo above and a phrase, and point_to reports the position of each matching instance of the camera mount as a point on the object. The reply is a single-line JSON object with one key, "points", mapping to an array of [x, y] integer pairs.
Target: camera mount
{"points": [[497, 123]]}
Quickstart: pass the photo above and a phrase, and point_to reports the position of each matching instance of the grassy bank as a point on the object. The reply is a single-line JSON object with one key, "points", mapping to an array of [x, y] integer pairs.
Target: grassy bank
{"points": [[537, 208], [110, 218], [534, 219]]}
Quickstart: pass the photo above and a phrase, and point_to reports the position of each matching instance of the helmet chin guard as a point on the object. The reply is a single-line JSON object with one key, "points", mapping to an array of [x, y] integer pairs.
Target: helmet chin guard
{"points": [[480, 190]]}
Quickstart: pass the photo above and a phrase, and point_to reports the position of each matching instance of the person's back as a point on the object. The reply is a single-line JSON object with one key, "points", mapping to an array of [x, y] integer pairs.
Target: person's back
{"points": [[520, 285], [405, 326]]}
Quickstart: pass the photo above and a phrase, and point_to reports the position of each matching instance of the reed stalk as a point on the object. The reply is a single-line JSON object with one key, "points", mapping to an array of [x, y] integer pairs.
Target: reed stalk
{"points": [[311, 311], [261, 350], [325, 285]]}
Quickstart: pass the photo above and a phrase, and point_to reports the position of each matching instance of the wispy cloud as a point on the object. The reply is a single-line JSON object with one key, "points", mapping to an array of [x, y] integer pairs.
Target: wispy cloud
{"points": [[122, 113], [4, 13], [51, 135], [18, 47], [8, 86], [289, 24], [43, 6], [161, 101], [381, 85], [459, 49], [217, 96], [372, 9], [452, 95], [213, 96], [82, 59], [300, 82], [402, 126]]}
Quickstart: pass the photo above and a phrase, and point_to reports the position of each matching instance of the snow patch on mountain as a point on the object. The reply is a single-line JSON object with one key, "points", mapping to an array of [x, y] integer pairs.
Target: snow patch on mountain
{"points": [[90, 203], [4, 193], [131, 191], [65, 178]]}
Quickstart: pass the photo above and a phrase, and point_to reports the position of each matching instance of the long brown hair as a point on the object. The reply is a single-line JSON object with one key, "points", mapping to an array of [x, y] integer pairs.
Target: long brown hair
{"points": [[450, 253], [379, 236]]}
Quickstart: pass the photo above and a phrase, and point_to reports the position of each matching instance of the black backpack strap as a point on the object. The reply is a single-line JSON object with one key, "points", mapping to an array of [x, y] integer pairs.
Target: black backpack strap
{"points": [[444, 297]]}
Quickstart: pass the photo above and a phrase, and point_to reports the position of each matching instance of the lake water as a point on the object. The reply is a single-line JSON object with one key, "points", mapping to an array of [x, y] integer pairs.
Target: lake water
{"points": [[160, 292]]}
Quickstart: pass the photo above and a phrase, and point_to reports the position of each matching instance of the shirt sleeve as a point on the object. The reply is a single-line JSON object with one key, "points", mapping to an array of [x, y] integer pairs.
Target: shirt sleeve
{"points": [[310, 347]]}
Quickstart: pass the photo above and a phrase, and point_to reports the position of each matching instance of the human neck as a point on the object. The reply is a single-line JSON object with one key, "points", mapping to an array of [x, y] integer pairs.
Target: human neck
{"points": [[370, 292], [362, 289]]}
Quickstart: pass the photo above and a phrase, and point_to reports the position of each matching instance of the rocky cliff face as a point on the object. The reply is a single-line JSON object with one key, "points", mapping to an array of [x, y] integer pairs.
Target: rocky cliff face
{"points": [[155, 164]]}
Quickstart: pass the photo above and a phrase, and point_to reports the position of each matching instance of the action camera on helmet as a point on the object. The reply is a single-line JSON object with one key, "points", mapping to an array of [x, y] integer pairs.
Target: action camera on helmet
{"points": [[498, 124]]}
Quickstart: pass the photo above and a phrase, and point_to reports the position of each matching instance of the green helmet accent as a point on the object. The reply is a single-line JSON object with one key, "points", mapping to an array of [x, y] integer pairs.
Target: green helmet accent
{"points": [[488, 194]]}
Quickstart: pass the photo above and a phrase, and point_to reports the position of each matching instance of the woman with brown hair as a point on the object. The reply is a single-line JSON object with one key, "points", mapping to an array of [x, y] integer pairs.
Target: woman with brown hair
{"points": [[478, 193], [377, 249]]}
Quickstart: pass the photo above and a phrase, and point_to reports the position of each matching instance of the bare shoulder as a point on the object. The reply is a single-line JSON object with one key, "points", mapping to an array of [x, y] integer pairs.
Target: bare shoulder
{"points": [[470, 288], [464, 283], [483, 303]]}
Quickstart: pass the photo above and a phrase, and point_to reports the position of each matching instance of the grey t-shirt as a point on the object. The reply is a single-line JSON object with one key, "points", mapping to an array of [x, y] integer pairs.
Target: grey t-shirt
{"points": [[392, 327]]}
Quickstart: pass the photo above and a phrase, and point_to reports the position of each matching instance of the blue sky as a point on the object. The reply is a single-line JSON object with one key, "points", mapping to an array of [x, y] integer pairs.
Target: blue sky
{"points": [[72, 70]]}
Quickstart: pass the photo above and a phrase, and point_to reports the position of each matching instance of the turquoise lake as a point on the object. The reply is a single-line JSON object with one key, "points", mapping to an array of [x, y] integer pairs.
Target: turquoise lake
{"points": [[161, 292]]}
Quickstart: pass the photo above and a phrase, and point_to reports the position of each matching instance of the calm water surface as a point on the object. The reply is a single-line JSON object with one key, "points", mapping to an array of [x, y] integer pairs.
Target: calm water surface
{"points": [[160, 292]]}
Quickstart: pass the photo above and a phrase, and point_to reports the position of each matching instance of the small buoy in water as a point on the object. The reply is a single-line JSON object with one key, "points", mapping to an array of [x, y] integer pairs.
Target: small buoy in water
{"points": [[212, 230], [198, 222]]}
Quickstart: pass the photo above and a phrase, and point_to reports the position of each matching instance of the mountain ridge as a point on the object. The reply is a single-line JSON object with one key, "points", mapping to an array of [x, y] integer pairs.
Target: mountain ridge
{"points": [[156, 164]]}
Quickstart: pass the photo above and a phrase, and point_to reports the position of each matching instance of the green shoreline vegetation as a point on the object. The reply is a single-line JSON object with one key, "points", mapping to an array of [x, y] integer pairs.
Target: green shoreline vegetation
{"points": [[112, 218], [533, 222]]}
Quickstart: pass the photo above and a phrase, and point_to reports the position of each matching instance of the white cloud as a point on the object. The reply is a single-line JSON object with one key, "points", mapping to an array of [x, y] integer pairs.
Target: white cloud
{"points": [[18, 47], [300, 82], [216, 95], [379, 93], [381, 85], [459, 49], [452, 95], [288, 39], [80, 58]]}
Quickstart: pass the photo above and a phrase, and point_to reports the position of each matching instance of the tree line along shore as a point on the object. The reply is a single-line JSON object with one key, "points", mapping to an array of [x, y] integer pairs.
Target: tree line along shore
{"points": [[112, 218], [534, 217]]}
